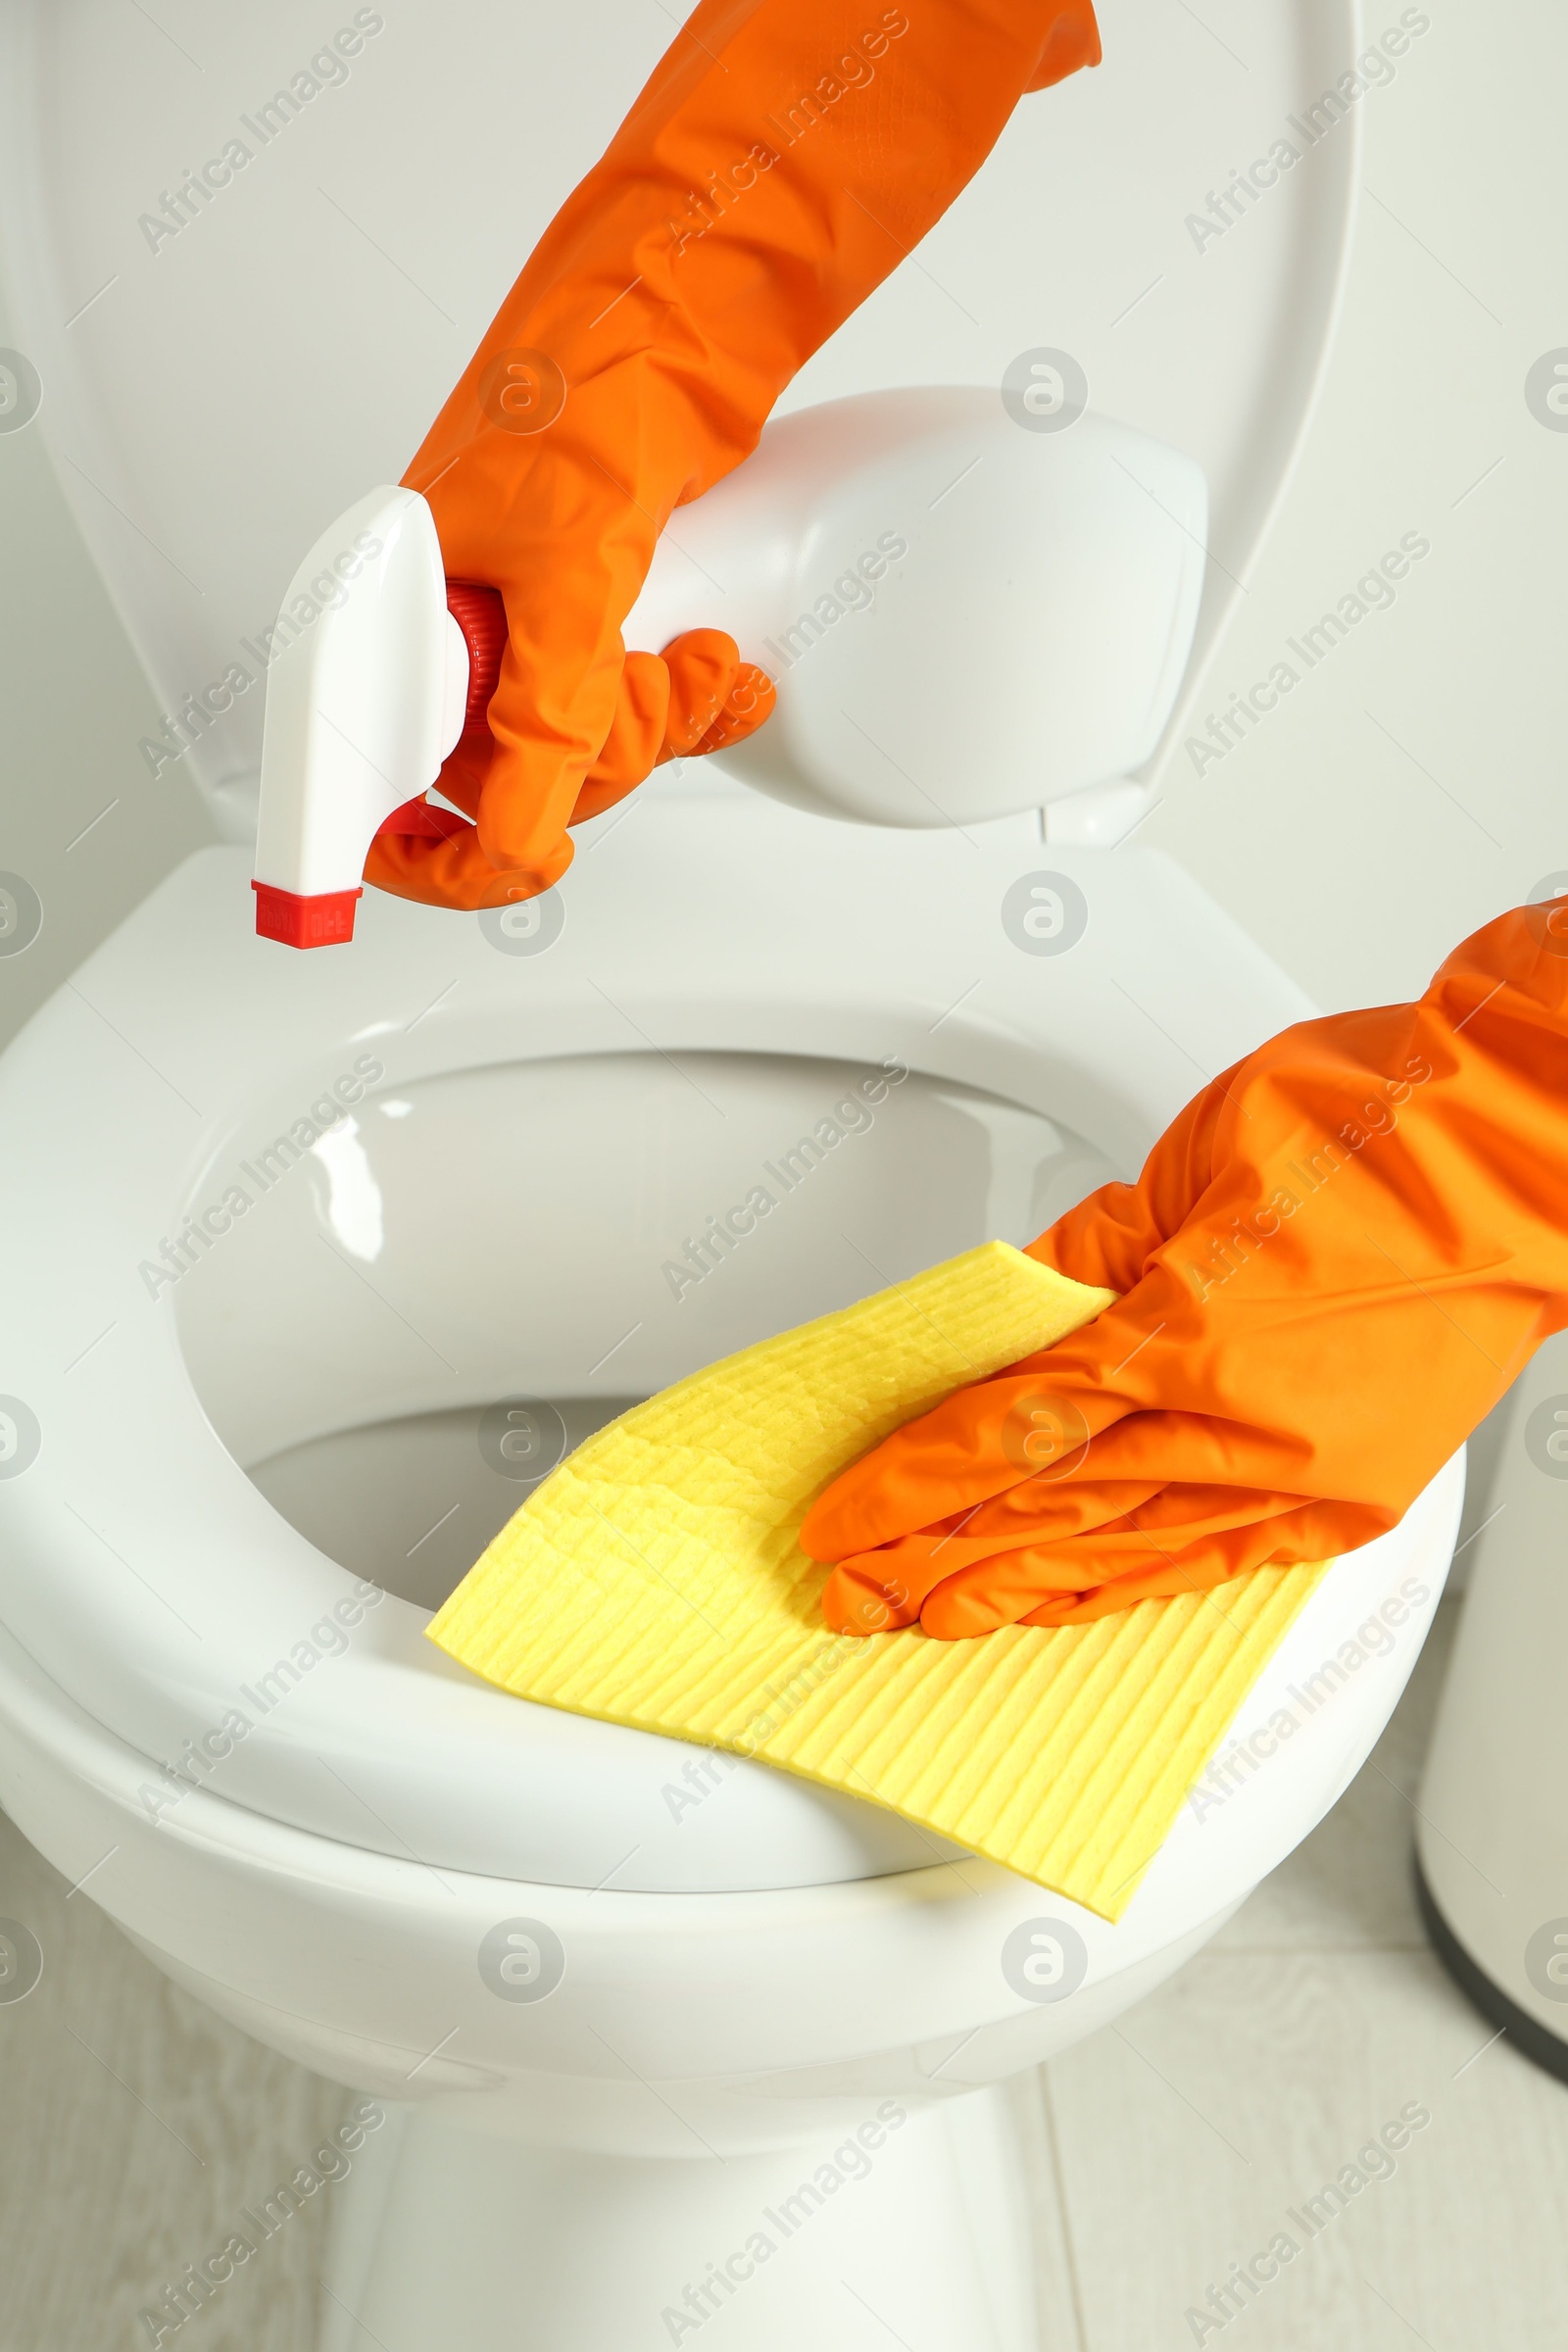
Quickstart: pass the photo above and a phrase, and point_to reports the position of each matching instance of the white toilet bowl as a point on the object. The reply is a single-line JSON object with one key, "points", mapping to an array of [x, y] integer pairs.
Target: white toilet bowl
{"points": [[284, 1239], [751, 1966]]}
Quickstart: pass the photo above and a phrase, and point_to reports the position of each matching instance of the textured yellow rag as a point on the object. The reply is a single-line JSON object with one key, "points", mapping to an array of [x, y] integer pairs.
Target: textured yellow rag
{"points": [[655, 1579]]}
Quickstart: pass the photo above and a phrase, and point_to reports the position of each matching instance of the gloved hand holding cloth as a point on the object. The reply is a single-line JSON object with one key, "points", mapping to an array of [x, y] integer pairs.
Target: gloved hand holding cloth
{"points": [[1334, 1263], [784, 158]]}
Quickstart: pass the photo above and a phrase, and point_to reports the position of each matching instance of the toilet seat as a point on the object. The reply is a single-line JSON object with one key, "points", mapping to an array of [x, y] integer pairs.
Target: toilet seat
{"points": [[143, 1572]]}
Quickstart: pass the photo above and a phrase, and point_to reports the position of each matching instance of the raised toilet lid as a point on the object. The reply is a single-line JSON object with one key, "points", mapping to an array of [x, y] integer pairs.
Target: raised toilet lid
{"points": [[216, 392]]}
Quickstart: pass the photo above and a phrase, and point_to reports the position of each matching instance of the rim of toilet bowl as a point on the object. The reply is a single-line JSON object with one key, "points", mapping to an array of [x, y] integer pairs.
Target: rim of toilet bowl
{"points": [[118, 1522], [272, 1922]]}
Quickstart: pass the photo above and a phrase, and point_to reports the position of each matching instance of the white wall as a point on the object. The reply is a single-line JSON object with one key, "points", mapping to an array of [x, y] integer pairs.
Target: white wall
{"points": [[1413, 785], [74, 705]]}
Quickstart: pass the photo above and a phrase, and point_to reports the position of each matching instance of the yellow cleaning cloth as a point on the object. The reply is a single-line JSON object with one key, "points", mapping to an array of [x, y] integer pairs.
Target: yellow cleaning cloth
{"points": [[655, 1579]]}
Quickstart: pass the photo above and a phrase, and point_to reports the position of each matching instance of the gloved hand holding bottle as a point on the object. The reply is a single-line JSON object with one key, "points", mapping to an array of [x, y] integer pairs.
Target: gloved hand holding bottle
{"points": [[1334, 1263], [783, 159]]}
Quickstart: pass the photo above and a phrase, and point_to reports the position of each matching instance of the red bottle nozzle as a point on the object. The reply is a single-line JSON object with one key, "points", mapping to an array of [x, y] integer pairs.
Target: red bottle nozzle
{"points": [[323, 921]]}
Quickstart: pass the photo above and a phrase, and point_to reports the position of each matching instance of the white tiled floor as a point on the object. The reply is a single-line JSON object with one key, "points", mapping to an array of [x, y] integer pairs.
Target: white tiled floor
{"points": [[1182, 2137], [1170, 2147], [133, 2126]]}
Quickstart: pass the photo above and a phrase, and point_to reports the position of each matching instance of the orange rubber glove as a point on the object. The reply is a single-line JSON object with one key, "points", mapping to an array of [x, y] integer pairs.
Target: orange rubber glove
{"points": [[782, 160], [1334, 1263]]}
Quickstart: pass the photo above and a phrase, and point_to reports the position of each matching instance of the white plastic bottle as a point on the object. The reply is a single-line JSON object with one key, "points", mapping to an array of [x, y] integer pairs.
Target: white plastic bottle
{"points": [[965, 614]]}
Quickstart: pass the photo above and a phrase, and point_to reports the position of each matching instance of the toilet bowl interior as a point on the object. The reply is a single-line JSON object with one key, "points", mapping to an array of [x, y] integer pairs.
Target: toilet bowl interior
{"points": [[466, 1274]]}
